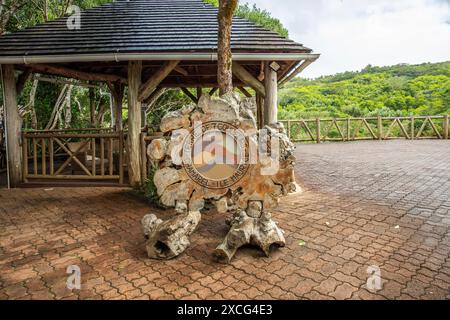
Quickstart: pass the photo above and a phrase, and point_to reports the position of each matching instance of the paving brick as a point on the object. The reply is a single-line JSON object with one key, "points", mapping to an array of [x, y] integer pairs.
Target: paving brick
{"points": [[355, 196]]}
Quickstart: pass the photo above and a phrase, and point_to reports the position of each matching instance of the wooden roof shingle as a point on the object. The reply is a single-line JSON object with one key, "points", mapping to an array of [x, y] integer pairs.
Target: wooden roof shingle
{"points": [[144, 26]]}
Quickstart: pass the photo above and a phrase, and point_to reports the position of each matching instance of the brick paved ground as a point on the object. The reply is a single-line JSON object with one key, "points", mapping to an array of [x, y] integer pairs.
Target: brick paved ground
{"points": [[366, 203]]}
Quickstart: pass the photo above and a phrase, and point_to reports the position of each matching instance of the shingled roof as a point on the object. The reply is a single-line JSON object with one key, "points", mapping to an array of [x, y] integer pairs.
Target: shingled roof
{"points": [[139, 26]]}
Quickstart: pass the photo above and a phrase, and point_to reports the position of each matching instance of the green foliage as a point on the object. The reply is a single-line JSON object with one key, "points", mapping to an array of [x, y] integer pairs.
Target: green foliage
{"points": [[148, 188], [258, 16], [32, 13], [400, 90]]}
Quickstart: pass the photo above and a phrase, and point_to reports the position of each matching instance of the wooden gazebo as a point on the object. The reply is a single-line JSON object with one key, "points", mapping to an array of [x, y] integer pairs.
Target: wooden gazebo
{"points": [[145, 45]]}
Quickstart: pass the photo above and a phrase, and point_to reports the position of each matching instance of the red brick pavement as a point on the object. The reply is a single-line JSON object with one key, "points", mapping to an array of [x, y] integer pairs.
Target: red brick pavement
{"points": [[367, 203]]}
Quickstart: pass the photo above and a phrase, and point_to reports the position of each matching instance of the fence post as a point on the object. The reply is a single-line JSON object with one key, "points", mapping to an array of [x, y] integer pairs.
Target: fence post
{"points": [[121, 155], [446, 126], [318, 129], [289, 129], [24, 157], [143, 158], [413, 129], [348, 129], [380, 128]]}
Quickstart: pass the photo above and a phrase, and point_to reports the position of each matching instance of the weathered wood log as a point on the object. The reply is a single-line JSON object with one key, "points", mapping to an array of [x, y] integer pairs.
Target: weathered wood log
{"points": [[271, 97], [13, 126], [153, 98], [117, 92], [254, 227], [168, 239], [157, 149], [75, 74], [253, 195], [134, 122], [246, 77], [174, 120]]}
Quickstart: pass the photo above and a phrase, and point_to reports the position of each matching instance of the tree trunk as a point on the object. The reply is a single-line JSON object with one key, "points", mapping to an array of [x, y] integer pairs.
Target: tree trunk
{"points": [[224, 63], [13, 125], [68, 108], [92, 107], [31, 105]]}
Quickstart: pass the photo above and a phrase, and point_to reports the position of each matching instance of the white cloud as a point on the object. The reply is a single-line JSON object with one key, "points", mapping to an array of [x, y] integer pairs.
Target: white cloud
{"points": [[353, 33]]}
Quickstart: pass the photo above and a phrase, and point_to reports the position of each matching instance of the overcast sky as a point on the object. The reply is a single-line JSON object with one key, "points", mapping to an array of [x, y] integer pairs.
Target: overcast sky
{"points": [[351, 34]]}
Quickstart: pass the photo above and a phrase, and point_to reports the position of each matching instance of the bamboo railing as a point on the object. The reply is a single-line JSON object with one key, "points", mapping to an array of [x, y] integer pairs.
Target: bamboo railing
{"points": [[78, 154], [371, 128]]}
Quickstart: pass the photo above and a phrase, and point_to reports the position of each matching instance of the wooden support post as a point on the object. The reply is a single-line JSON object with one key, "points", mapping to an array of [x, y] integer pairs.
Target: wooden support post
{"points": [[318, 133], [271, 98], [13, 126], [260, 110], [380, 128], [117, 92], [413, 128], [134, 122], [446, 124], [199, 93]]}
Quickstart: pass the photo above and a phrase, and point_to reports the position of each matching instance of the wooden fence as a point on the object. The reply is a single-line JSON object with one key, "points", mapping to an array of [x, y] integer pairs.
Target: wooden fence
{"points": [[374, 128], [80, 154]]}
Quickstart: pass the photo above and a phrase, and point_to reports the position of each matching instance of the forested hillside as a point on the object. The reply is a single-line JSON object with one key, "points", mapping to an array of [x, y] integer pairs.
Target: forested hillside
{"points": [[399, 90]]}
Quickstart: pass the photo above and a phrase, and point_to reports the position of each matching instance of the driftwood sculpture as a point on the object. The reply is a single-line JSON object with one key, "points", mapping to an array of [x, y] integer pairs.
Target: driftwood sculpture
{"points": [[166, 240], [217, 155]]}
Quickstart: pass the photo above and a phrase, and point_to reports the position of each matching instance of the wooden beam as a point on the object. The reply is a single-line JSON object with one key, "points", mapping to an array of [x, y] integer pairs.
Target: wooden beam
{"points": [[271, 98], [151, 84], [117, 92], [296, 72], [260, 110], [61, 81], [245, 92], [246, 77], [23, 78], [75, 74], [213, 90], [13, 125], [189, 94], [150, 101], [134, 122], [181, 70]]}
